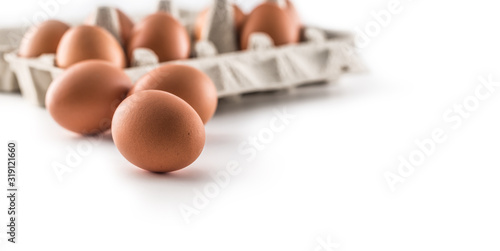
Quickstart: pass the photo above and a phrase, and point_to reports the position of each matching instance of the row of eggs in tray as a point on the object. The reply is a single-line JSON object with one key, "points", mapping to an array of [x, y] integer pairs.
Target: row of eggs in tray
{"points": [[161, 32], [157, 123]]}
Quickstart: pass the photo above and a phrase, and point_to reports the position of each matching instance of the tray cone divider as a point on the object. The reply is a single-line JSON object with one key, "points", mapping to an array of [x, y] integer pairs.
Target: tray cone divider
{"points": [[220, 27]]}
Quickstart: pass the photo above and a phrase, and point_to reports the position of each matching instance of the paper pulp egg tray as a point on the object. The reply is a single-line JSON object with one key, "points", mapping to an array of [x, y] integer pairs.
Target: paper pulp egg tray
{"points": [[321, 56], [8, 43]]}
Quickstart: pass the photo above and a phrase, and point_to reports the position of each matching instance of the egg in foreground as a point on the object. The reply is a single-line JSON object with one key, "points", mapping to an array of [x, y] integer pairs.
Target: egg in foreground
{"points": [[158, 131]]}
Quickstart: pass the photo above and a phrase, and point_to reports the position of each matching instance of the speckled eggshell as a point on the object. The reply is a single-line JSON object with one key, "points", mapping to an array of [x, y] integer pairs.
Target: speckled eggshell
{"points": [[157, 131], [84, 98], [271, 19], [186, 82], [89, 42], [163, 34], [42, 39]]}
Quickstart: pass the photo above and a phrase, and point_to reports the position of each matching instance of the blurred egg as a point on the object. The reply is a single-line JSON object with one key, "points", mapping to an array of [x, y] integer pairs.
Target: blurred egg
{"points": [[163, 34], [201, 21], [292, 11], [157, 131], [84, 98], [42, 39], [186, 82], [126, 26], [89, 42], [271, 19]]}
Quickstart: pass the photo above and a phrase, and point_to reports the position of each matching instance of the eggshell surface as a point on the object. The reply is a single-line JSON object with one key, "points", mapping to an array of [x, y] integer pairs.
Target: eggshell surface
{"points": [[84, 98], [157, 131], [186, 82], [42, 39], [89, 42]]}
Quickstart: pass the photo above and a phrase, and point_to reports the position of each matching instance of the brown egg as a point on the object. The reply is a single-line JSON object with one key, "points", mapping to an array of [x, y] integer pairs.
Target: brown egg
{"points": [[185, 82], [126, 26], [163, 34], [157, 131], [84, 98], [89, 42], [292, 11], [201, 21], [42, 39], [271, 19]]}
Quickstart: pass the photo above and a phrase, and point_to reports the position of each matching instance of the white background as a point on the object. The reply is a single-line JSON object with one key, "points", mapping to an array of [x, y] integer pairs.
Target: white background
{"points": [[321, 180]]}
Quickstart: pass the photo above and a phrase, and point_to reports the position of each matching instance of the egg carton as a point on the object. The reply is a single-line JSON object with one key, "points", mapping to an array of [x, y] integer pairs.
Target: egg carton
{"points": [[34, 83], [321, 56], [9, 40]]}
